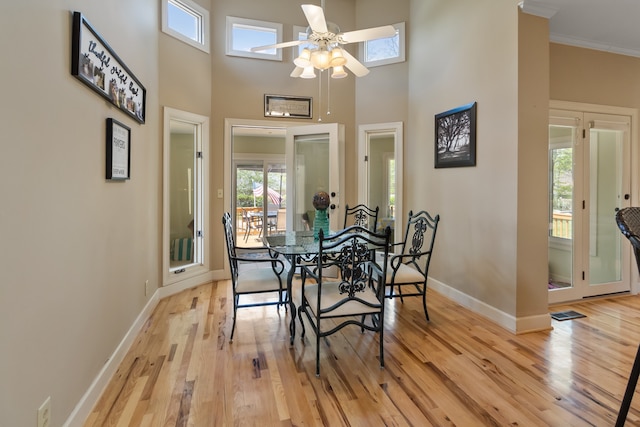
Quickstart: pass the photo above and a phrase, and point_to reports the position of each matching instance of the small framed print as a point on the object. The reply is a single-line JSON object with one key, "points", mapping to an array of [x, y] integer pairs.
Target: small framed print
{"points": [[118, 150], [455, 137], [297, 107]]}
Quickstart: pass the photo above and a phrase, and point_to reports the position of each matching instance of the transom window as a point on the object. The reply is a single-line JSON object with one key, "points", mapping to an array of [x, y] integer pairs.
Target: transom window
{"points": [[244, 34], [300, 33], [387, 50], [186, 21]]}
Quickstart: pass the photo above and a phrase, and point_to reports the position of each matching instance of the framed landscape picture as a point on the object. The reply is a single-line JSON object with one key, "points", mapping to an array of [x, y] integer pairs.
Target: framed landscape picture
{"points": [[455, 137]]}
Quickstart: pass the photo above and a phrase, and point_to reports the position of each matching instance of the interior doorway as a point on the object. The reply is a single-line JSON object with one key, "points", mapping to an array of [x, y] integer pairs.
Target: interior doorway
{"points": [[380, 160]]}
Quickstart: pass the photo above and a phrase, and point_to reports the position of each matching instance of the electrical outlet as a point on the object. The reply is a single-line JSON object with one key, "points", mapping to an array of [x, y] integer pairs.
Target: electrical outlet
{"points": [[146, 287], [44, 413]]}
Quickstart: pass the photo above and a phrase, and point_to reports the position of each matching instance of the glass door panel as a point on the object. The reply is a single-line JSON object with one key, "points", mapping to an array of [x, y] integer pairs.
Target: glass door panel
{"points": [[315, 160], [276, 198], [561, 195], [608, 183]]}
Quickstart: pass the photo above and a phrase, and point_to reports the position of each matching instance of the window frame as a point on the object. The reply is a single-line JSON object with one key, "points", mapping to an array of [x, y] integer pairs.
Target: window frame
{"points": [[230, 51], [558, 241], [400, 28], [201, 14]]}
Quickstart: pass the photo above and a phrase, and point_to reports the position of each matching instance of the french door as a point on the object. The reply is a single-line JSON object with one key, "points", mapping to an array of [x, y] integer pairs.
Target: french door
{"points": [[315, 162], [589, 180]]}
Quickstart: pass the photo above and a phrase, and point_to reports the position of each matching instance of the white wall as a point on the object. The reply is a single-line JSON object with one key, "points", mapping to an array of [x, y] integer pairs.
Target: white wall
{"points": [[76, 249]]}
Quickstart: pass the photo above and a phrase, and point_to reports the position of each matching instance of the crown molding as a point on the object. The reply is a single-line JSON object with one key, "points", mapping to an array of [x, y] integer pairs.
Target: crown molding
{"points": [[543, 10]]}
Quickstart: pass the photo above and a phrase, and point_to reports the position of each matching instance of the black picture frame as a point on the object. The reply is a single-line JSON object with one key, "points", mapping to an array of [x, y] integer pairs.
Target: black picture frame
{"points": [[118, 165], [296, 107], [455, 137], [94, 63]]}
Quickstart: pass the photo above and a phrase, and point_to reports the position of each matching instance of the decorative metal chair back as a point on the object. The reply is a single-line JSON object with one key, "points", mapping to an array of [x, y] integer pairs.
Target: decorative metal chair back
{"points": [[408, 270], [628, 220], [420, 236], [362, 216], [331, 304]]}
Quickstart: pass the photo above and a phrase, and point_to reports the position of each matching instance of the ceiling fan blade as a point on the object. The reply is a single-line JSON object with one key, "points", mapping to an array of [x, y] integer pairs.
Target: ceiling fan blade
{"points": [[354, 65], [296, 72], [367, 34], [279, 45], [315, 16]]}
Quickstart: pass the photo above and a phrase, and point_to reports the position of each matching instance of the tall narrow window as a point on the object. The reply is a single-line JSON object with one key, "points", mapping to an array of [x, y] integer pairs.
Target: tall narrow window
{"points": [[186, 21], [561, 188], [185, 201]]}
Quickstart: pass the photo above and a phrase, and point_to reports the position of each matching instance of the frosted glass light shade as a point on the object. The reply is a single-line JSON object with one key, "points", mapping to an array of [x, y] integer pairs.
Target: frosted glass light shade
{"points": [[303, 60], [338, 72], [337, 58], [320, 59], [308, 73]]}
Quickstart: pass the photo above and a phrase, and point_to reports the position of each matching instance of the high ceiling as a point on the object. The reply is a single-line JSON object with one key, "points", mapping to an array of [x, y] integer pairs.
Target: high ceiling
{"points": [[608, 25]]}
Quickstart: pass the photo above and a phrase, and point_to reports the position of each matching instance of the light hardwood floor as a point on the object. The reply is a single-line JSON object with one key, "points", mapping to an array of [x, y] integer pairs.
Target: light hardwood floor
{"points": [[457, 370]]}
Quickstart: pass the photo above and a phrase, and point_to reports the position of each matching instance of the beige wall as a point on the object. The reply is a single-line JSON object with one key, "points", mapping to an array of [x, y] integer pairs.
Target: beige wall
{"points": [[239, 85], [594, 77], [463, 52], [533, 199], [76, 249]]}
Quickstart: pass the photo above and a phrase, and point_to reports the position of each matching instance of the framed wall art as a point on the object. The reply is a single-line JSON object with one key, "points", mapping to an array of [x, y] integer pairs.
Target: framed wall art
{"points": [[455, 137], [95, 64], [288, 106], [118, 150]]}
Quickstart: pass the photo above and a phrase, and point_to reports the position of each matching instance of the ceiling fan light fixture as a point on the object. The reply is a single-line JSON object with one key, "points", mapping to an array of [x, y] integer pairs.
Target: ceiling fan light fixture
{"points": [[338, 72], [308, 73], [337, 58], [304, 60], [320, 59]]}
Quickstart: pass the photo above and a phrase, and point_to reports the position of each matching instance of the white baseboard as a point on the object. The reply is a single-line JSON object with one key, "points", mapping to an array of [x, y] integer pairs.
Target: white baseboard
{"points": [[91, 396], [507, 321], [97, 387]]}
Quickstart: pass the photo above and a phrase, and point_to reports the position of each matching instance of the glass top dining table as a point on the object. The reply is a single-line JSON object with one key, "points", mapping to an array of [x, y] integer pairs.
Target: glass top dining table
{"points": [[296, 247]]}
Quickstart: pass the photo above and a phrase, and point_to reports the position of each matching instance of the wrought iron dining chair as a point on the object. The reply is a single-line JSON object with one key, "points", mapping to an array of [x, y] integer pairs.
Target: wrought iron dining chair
{"points": [[256, 271], [628, 220], [330, 303], [408, 268], [361, 215]]}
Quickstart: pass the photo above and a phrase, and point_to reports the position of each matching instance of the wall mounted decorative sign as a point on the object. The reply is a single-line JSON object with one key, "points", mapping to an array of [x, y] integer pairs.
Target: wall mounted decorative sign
{"points": [[97, 65], [455, 138], [299, 107], [118, 150]]}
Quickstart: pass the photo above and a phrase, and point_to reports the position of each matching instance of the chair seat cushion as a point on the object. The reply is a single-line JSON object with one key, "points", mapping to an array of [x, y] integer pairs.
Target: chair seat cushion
{"points": [[257, 280], [405, 274], [331, 295]]}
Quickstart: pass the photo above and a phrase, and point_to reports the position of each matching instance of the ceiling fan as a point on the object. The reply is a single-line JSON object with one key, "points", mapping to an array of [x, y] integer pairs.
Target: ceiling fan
{"points": [[326, 39]]}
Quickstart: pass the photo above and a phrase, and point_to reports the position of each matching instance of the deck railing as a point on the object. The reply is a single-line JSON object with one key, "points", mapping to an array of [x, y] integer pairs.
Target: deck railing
{"points": [[561, 225]]}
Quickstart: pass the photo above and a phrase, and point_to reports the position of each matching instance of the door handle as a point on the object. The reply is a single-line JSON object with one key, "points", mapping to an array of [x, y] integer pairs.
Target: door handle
{"points": [[627, 196]]}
